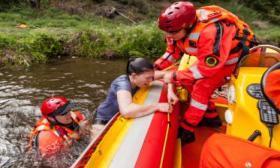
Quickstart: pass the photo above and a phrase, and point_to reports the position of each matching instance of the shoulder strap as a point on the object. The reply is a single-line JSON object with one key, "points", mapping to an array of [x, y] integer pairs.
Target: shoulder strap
{"points": [[218, 38]]}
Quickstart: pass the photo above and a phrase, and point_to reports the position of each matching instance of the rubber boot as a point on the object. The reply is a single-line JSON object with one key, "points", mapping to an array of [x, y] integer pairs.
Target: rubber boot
{"points": [[211, 122], [186, 136], [211, 117], [186, 133]]}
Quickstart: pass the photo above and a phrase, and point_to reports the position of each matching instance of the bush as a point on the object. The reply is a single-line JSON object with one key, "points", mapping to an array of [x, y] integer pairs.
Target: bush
{"points": [[54, 32], [5, 42], [268, 8], [47, 45], [91, 45], [142, 41], [142, 5], [6, 4]]}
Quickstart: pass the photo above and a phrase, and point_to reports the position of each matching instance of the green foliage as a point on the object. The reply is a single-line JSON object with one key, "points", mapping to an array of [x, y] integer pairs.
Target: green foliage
{"points": [[268, 8], [5, 42], [90, 45], [142, 5], [46, 45], [142, 41], [269, 35], [7, 4], [53, 32], [124, 41]]}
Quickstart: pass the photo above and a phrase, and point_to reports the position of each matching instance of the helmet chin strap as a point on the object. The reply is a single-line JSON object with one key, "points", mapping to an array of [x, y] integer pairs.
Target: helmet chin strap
{"points": [[189, 29], [191, 26], [56, 122]]}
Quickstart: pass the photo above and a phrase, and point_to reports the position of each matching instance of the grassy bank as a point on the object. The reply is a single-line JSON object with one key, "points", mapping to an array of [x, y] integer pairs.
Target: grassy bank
{"points": [[28, 36]]}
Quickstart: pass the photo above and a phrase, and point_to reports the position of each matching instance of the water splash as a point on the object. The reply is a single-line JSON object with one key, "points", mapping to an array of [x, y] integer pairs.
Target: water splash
{"points": [[21, 92]]}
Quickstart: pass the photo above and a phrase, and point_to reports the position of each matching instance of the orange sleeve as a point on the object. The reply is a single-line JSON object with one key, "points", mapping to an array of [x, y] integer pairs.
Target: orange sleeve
{"points": [[49, 144], [171, 55], [173, 49]]}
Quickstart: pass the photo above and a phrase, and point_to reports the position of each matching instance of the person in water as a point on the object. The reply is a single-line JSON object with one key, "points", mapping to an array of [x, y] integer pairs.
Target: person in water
{"points": [[58, 128], [139, 74]]}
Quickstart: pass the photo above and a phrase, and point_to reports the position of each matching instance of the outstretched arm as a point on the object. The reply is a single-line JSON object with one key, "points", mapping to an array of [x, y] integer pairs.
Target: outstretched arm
{"points": [[171, 55], [171, 96], [128, 109]]}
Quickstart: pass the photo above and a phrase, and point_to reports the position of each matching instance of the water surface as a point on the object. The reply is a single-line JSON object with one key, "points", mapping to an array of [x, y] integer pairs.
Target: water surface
{"points": [[83, 81]]}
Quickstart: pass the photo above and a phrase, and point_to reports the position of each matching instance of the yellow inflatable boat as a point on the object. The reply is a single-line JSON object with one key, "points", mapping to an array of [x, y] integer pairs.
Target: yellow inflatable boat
{"points": [[152, 141]]}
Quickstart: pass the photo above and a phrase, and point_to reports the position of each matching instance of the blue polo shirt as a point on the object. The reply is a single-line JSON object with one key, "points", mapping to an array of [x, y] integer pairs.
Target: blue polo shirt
{"points": [[108, 108]]}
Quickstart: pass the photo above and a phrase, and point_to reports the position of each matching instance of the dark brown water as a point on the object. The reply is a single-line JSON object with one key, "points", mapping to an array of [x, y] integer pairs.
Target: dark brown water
{"points": [[83, 81]]}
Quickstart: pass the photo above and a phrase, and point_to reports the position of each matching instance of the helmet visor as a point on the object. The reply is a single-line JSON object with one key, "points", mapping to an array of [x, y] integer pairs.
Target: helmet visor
{"points": [[63, 110]]}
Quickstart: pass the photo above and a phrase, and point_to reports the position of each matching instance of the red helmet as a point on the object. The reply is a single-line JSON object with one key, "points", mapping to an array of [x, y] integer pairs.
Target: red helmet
{"points": [[177, 16], [51, 105]]}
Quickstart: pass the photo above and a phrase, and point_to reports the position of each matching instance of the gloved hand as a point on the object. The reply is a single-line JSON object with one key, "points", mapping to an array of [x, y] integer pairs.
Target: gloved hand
{"points": [[161, 64]]}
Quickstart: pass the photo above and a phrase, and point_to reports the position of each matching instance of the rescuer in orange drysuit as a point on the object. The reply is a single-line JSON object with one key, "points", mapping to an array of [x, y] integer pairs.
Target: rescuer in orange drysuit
{"points": [[58, 127], [272, 87], [218, 39]]}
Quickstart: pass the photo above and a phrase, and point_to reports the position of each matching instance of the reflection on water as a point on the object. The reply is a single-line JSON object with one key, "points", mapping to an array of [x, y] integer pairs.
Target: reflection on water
{"points": [[83, 81]]}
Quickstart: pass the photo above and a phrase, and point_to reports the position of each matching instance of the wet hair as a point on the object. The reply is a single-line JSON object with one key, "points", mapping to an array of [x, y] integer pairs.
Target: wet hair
{"points": [[138, 65]]}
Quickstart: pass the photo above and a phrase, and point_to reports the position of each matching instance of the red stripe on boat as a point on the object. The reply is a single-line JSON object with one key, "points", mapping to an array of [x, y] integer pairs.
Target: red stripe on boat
{"points": [[152, 150]]}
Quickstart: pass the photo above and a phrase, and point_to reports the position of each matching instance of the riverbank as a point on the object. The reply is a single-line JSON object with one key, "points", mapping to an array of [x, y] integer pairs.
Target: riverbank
{"points": [[30, 36], [25, 38]]}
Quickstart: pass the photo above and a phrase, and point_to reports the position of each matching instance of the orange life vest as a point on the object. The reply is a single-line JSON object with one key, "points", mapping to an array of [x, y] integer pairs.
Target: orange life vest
{"points": [[272, 87], [224, 151], [60, 131], [214, 14]]}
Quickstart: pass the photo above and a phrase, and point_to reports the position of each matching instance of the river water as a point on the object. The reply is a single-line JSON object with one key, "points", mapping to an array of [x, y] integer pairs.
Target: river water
{"points": [[83, 81]]}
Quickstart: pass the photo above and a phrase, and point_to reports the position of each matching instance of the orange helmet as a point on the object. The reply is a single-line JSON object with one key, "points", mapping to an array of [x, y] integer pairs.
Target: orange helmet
{"points": [[177, 16], [55, 106]]}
